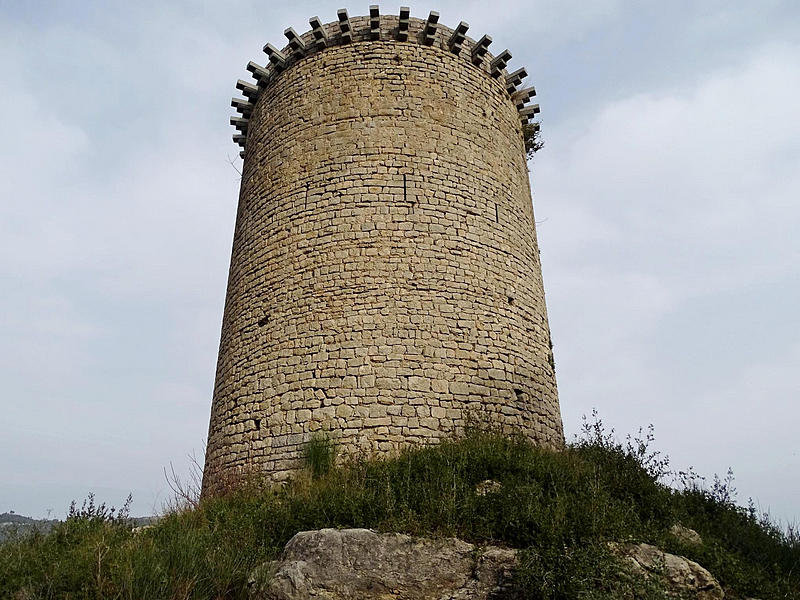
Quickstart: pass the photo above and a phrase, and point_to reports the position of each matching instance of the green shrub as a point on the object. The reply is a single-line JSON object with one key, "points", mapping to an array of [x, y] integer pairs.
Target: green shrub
{"points": [[319, 455]]}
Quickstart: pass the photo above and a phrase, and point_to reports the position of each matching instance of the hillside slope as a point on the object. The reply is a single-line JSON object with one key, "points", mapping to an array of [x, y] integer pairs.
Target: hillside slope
{"points": [[560, 510]]}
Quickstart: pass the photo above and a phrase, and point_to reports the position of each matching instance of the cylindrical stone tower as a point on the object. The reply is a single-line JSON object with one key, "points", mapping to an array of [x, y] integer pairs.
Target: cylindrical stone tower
{"points": [[385, 286]]}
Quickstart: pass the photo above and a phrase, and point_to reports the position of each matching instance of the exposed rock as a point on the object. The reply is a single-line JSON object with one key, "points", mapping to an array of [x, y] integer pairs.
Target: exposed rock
{"points": [[490, 486], [352, 564], [686, 535], [141, 528], [680, 575]]}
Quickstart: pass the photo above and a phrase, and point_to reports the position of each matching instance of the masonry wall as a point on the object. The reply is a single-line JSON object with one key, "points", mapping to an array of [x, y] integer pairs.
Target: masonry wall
{"points": [[385, 283]]}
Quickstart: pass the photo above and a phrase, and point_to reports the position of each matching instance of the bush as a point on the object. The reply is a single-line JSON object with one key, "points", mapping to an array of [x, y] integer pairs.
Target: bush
{"points": [[319, 455]]}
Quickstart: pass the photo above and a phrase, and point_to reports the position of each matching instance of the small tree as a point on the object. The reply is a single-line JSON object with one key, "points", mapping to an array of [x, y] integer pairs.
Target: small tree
{"points": [[533, 139]]}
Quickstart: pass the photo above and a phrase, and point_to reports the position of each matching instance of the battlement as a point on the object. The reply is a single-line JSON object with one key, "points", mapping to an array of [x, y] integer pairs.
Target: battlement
{"points": [[376, 27]]}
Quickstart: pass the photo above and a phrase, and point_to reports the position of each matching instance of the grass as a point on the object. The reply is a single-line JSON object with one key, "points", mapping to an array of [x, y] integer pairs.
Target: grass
{"points": [[319, 456], [560, 508]]}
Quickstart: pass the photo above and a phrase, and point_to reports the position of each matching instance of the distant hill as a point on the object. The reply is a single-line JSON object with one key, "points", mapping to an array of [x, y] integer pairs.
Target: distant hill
{"points": [[12, 517], [13, 524]]}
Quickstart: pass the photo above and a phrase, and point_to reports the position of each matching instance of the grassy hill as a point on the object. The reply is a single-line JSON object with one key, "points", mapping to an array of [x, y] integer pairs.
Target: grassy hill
{"points": [[12, 525], [561, 508]]}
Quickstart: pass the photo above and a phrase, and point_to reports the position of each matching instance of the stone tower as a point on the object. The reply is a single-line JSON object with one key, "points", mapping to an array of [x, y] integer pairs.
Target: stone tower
{"points": [[385, 285]]}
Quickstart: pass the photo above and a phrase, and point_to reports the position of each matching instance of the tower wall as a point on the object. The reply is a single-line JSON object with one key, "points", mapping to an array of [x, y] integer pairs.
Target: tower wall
{"points": [[385, 284]]}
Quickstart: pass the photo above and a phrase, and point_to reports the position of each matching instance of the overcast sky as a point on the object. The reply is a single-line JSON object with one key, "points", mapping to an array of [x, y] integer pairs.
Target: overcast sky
{"points": [[666, 195]]}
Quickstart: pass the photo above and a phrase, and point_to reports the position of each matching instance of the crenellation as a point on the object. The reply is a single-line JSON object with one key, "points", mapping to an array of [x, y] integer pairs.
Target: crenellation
{"points": [[403, 23], [498, 63], [247, 89], [522, 96], [240, 124], [296, 43], [277, 59], [259, 73], [514, 79], [319, 33], [431, 26], [374, 23], [529, 112], [318, 39], [344, 26], [480, 49], [456, 41], [242, 106]]}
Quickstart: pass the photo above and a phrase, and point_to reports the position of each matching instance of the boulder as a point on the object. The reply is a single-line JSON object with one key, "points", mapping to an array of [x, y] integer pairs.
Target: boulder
{"points": [[352, 564], [484, 488], [680, 576], [688, 536]]}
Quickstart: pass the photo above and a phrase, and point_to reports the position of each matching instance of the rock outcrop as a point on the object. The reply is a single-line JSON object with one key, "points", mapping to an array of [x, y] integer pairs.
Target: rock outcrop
{"points": [[359, 564], [688, 536], [352, 564], [679, 575]]}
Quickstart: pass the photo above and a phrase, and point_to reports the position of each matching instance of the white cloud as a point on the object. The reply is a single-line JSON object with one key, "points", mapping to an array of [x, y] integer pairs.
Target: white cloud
{"points": [[667, 227], [553, 22], [666, 213], [113, 257]]}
